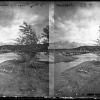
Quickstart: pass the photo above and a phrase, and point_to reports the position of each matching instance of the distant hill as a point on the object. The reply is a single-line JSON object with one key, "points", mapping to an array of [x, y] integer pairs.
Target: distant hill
{"points": [[7, 43], [80, 49], [88, 48], [64, 45], [25, 48]]}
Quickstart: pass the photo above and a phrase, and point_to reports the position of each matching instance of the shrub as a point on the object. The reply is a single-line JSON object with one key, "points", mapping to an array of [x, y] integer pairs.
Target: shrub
{"points": [[24, 57]]}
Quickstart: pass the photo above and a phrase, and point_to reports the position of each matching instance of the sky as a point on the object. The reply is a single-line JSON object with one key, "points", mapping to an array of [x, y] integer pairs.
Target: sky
{"points": [[68, 21], [76, 22], [51, 23], [12, 15]]}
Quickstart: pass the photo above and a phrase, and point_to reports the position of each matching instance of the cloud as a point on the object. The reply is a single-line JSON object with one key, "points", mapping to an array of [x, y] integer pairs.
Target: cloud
{"points": [[11, 17], [7, 34], [51, 14], [6, 16], [21, 16], [51, 22], [81, 26]]}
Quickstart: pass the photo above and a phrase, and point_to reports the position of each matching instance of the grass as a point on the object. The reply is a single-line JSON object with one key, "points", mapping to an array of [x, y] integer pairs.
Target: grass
{"points": [[81, 80], [25, 78]]}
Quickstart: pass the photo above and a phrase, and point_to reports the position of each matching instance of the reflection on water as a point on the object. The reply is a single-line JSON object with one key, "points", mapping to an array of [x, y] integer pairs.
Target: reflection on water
{"points": [[60, 67]]}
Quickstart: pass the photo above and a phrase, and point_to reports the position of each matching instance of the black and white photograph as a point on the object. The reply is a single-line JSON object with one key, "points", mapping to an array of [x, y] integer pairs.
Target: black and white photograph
{"points": [[24, 38], [76, 41], [49, 49]]}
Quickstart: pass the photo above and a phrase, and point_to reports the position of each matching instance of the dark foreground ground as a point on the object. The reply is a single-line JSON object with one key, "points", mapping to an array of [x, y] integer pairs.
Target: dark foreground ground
{"points": [[82, 80], [22, 79]]}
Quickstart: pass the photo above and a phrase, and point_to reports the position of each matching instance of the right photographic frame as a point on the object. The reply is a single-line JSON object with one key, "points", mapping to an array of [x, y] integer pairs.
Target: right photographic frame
{"points": [[75, 45]]}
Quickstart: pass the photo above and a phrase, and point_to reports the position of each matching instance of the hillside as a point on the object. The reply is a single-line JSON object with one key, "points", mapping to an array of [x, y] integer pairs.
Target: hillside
{"points": [[25, 48], [21, 79], [82, 80], [26, 76], [89, 48]]}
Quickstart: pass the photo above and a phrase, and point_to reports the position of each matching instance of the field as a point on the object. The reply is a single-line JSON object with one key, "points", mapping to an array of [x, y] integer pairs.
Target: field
{"points": [[78, 76], [22, 79], [73, 73], [23, 74]]}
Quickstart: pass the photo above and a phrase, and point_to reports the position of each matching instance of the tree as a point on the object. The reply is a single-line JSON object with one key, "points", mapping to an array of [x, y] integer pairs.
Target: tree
{"points": [[45, 34], [98, 40], [28, 35]]}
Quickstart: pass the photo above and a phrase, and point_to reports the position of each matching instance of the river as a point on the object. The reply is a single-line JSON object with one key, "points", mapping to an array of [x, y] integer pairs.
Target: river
{"points": [[8, 56]]}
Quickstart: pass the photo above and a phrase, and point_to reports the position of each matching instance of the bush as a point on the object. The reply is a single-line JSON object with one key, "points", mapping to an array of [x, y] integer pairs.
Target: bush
{"points": [[24, 57]]}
